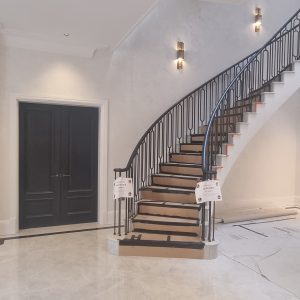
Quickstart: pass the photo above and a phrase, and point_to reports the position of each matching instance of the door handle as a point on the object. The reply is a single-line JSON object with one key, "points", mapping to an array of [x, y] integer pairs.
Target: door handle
{"points": [[66, 175], [54, 176]]}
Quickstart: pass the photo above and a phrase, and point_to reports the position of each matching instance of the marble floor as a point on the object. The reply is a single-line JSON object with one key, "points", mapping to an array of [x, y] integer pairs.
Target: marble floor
{"points": [[257, 261]]}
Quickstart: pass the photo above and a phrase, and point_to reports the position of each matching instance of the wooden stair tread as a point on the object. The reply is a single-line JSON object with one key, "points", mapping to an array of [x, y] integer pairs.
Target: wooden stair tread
{"points": [[157, 188], [161, 237], [230, 115], [166, 232], [178, 176], [165, 244], [193, 143], [175, 164], [164, 219], [170, 204], [186, 153]]}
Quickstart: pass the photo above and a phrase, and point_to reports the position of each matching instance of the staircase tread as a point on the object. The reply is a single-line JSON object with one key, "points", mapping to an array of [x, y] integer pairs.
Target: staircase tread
{"points": [[193, 165], [242, 105], [230, 115], [169, 204], [192, 177], [162, 188], [193, 143], [165, 219], [167, 232], [157, 243], [163, 237], [186, 153]]}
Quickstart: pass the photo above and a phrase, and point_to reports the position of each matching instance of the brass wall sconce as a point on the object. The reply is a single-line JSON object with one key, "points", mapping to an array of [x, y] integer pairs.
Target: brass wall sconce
{"points": [[257, 19], [180, 55]]}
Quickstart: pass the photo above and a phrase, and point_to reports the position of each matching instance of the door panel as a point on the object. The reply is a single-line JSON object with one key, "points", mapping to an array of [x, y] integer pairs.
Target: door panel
{"points": [[79, 164], [58, 165], [39, 189]]}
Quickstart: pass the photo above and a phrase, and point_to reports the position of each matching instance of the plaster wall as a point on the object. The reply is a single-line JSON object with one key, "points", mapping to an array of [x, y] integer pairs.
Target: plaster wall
{"points": [[264, 174], [139, 78]]}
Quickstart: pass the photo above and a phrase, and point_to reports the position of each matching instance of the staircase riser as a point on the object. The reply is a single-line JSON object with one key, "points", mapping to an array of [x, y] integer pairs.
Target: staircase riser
{"points": [[163, 237], [169, 211], [168, 197], [161, 227], [197, 138], [224, 128], [175, 182], [181, 170], [193, 159], [219, 138], [219, 128], [242, 109], [193, 148], [161, 252], [226, 120]]}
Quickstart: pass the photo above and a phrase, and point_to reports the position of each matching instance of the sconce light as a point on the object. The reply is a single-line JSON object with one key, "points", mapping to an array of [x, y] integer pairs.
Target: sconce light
{"points": [[180, 55], [258, 19]]}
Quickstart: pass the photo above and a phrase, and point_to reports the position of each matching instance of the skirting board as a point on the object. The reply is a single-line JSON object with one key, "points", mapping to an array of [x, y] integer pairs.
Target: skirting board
{"points": [[297, 201], [255, 214], [8, 227]]}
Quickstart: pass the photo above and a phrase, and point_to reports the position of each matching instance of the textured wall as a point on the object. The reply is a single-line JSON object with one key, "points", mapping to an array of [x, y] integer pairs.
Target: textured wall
{"points": [[264, 174], [140, 79]]}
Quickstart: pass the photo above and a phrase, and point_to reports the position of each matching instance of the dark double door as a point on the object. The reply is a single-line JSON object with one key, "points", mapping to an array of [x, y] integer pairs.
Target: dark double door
{"points": [[58, 164]]}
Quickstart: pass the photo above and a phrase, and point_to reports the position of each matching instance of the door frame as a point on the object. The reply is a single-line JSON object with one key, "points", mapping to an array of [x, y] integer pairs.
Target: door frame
{"points": [[102, 106]]}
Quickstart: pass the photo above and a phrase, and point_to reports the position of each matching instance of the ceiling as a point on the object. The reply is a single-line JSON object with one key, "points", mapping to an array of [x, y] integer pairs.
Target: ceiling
{"points": [[86, 25]]}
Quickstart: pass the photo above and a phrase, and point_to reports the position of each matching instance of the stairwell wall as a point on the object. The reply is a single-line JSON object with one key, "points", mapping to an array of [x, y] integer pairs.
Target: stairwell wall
{"points": [[142, 79], [139, 78], [265, 174]]}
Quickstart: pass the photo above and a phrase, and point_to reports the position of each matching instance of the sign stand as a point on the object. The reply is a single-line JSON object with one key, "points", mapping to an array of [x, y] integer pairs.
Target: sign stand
{"points": [[123, 190], [207, 194]]}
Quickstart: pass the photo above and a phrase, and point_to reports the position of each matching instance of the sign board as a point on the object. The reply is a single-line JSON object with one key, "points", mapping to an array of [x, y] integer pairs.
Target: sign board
{"points": [[123, 188], [208, 191]]}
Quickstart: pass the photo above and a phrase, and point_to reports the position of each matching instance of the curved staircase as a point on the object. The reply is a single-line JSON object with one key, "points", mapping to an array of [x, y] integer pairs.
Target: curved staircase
{"points": [[199, 138]]}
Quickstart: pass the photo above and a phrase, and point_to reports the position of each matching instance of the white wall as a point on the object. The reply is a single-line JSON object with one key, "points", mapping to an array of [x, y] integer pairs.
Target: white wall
{"points": [[38, 75], [297, 177], [140, 79], [264, 174]]}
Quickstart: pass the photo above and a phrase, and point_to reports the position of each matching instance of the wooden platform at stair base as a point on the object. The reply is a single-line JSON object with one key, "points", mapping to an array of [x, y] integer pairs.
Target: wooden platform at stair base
{"points": [[159, 248], [169, 209]]}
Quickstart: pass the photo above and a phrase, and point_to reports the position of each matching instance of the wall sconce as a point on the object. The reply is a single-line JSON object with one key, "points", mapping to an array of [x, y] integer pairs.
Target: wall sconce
{"points": [[180, 55], [257, 19]]}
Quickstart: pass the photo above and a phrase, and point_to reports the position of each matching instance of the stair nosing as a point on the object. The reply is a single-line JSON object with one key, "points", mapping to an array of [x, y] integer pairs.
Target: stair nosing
{"points": [[159, 204], [179, 176], [185, 153], [160, 189], [166, 216], [166, 232], [163, 244], [166, 223], [192, 165]]}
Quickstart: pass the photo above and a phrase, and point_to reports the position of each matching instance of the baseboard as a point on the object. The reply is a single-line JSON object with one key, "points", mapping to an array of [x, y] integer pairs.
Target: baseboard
{"points": [[255, 203], [8, 227], [257, 208], [297, 201], [110, 217]]}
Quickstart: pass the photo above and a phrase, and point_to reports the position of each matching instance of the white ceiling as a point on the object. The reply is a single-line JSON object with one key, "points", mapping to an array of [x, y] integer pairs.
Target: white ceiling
{"points": [[91, 24]]}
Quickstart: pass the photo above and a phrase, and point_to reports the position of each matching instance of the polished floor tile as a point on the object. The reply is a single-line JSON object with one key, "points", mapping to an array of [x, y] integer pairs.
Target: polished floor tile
{"points": [[255, 264]]}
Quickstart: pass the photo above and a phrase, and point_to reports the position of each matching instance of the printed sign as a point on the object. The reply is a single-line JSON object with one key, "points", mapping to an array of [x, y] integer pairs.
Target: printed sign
{"points": [[123, 188], [208, 191]]}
